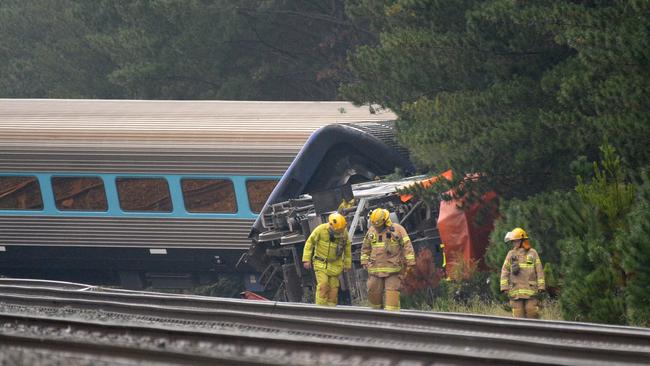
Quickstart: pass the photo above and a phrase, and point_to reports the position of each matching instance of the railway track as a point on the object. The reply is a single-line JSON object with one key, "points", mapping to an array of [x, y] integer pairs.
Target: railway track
{"points": [[344, 333], [71, 341]]}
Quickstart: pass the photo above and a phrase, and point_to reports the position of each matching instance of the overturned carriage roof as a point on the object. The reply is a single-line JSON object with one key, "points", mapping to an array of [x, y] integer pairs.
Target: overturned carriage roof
{"points": [[335, 156], [229, 137]]}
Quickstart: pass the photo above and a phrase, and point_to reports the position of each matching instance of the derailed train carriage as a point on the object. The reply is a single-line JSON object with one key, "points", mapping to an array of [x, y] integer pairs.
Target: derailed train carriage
{"points": [[277, 249], [310, 190], [163, 193]]}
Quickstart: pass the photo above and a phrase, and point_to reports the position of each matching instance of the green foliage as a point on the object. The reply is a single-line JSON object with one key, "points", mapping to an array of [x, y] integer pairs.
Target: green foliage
{"points": [[605, 85], [466, 290], [175, 49], [592, 263], [45, 53], [635, 247], [591, 291], [608, 192], [514, 90], [466, 103], [397, 174], [226, 286], [224, 49], [592, 243], [552, 278]]}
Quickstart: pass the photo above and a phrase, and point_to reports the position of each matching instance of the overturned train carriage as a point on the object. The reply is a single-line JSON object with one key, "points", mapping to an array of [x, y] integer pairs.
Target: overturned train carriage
{"points": [[159, 193], [315, 185]]}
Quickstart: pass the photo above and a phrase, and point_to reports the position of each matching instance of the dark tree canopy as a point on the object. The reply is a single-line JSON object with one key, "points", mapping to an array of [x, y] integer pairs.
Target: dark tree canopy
{"points": [[517, 90], [175, 49]]}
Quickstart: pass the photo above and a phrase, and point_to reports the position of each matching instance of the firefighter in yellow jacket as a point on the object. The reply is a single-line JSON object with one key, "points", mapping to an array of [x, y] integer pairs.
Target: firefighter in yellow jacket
{"points": [[522, 275], [385, 251], [328, 251]]}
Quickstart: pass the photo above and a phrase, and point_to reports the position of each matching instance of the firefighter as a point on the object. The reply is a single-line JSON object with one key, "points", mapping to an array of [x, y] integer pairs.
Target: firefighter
{"points": [[522, 275], [386, 249], [328, 251]]}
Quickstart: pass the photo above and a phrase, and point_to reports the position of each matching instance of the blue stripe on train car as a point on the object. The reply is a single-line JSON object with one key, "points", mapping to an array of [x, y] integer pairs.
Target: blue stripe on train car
{"points": [[174, 181]]}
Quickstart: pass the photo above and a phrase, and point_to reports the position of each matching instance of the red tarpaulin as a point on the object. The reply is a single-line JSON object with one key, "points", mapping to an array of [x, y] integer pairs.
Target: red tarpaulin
{"points": [[463, 239]]}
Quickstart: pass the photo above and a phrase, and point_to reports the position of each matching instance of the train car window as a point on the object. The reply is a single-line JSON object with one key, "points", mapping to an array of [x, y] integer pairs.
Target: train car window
{"points": [[144, 194], [20, 193], [79, 193], [209, 195], [258, 192]]}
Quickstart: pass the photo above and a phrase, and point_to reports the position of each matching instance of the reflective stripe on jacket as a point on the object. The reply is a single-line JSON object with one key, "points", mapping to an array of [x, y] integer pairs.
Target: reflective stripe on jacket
{"points": [[322, 251], [530, 278], [387, 251]]}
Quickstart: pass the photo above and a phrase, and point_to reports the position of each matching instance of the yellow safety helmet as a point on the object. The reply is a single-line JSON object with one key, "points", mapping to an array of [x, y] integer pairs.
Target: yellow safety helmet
{"points": [[518, 233], [379, 217], [337, 222]]}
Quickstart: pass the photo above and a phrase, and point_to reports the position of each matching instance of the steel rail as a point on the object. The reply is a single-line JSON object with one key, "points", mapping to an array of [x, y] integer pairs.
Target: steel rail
{"points": [[14, 347], [22, 282], [134, 342], [398, 341], [518, 345], [564, 331]]}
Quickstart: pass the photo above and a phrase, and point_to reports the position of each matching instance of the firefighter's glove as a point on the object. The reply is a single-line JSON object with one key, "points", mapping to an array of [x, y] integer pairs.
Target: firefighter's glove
{"points": [[409, 270], [306, 265]]}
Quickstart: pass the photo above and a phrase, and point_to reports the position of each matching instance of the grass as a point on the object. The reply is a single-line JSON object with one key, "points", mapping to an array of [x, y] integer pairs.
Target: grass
{"points": [[550, 309]]}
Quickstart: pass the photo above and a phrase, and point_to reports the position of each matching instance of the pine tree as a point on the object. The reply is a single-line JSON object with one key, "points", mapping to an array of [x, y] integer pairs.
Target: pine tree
{"points": [[635, 247], [514, 90], [594, 276]]}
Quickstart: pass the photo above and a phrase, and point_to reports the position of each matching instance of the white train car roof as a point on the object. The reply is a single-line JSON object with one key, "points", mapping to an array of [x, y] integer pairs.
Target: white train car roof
{"points": [[230, 137]]}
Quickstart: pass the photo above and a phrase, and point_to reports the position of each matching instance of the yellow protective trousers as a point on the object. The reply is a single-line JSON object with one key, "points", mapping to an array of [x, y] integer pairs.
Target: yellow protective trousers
{"points": [[525, 308], [327, 289], [384, 291]]}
